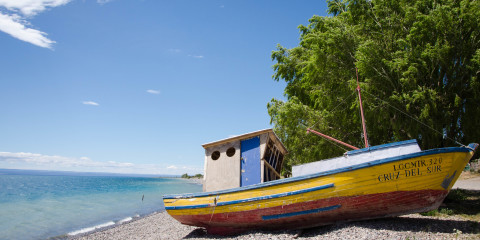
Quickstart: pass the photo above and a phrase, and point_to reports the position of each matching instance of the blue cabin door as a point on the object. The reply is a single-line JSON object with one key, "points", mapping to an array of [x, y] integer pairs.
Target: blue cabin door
{"points": [[250, 162]]}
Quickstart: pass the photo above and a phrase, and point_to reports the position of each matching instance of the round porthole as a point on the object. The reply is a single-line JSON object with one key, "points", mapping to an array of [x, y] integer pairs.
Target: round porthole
{"points": [[231, 151], [215, 155]]}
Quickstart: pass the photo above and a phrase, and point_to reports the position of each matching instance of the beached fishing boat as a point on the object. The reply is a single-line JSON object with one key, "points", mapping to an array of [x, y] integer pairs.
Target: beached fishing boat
{"points": [[358, 189], [244, 189]]}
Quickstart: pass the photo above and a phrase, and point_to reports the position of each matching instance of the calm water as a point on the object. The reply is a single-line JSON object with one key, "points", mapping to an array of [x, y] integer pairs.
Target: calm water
{"points": [[35, 205]]}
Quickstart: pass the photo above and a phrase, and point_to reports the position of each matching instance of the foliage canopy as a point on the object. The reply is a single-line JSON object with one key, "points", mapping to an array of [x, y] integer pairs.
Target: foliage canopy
{"points": [[414, 58]]}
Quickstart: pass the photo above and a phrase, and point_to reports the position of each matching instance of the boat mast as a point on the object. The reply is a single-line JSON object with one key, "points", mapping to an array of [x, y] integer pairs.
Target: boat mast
{"points": [[309, 130], [361, 112]]}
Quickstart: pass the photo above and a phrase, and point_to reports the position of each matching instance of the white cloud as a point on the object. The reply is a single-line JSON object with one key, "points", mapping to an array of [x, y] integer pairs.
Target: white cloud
{"points": [[31, 7], [104, 1], [15, 24], [40, 159], [196, 56], [90, 103], [153, 91], [35, 161], [174, 50], [16, 27], [180, 51]]}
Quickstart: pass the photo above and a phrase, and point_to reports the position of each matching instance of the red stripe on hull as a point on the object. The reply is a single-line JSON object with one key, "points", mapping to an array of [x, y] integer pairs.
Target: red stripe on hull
{"points": [[351, 208]]}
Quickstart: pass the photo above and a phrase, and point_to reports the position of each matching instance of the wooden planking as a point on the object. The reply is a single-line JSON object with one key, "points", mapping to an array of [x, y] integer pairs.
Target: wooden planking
{"points": [[271, 168], [273, 158], [302, 215], [250, 161], [408, 157], [270, 132], [357, 182], [389, 187]]}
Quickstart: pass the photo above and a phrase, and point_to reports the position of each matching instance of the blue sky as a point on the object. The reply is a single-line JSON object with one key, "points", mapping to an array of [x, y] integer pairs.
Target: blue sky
{"points": [[136, 86]]}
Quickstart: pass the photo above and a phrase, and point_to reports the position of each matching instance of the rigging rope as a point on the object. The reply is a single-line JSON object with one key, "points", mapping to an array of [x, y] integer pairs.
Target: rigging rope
{"points": [[381, 100], [333, 110], [433, 129], [336, 144]]}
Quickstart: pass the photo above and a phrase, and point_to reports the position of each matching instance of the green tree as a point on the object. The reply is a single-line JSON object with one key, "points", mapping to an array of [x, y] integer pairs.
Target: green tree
{"points": [[414, 58]]}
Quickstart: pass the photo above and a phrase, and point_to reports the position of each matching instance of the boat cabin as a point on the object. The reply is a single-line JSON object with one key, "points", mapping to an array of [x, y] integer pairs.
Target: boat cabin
{"points": [[243, 160]]}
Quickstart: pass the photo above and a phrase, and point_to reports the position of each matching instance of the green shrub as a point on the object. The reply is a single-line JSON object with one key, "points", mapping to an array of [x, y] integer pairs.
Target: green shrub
{"points": [[446, 211], [430, 213], [456, 195]]}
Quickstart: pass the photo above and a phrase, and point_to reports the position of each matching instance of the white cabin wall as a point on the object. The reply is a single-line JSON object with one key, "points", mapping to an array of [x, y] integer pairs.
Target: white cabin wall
{"points": [[263, 148], [262, 171], [263, 144], [223, 173]]}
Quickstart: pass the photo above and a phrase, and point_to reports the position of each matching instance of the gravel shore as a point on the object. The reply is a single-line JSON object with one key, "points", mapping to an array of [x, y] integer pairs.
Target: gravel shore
{"points": [[413, 226]]}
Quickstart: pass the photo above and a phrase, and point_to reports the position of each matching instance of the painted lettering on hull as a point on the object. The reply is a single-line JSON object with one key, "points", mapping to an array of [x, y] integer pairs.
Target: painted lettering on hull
{"points": [[412, 169]]}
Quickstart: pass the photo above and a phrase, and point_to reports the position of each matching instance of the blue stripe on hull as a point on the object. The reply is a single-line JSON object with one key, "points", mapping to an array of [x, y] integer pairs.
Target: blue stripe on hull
{"points": [[188, 207], [292, 214], [279, 195]]}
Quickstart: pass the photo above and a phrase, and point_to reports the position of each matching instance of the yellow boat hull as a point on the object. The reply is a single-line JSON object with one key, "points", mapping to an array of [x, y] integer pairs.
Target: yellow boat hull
{"points": [[387, 187]]}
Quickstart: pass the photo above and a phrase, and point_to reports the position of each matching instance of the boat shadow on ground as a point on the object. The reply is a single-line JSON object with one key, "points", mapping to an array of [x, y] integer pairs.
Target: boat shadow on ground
{"points": [[462, 201], [459, 201], [402, 224]]}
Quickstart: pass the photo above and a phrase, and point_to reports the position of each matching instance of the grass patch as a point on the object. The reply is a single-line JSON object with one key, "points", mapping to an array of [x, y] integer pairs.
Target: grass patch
{"points": [[457, 196], [465, 203], [439, 212], [430, 213], [446, 211]]}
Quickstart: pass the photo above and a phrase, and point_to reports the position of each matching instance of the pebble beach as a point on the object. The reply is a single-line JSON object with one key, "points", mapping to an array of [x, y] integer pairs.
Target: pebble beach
{"points": [[413, 226]]}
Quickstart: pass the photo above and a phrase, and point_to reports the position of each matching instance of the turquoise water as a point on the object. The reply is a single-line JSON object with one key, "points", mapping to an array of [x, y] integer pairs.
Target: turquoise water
{"points": [[34, 205]]}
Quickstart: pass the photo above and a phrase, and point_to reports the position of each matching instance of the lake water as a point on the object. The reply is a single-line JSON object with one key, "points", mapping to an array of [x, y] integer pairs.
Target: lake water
{"points": [[40, 205]]}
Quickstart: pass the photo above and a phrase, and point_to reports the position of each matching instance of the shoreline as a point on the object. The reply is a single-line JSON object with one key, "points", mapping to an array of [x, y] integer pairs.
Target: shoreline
{"points": [[89, 230], [191, 180], [100, 228], [160, 225], [196, 180]]}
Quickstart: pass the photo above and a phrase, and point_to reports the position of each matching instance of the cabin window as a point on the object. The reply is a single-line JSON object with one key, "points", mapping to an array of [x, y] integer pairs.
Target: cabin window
{"points": [[273, 162], [215, 155], [231, 151]]}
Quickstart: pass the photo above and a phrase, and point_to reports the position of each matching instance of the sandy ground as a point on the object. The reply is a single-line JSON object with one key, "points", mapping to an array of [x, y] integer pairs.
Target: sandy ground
{"points": [[468, 181], [413, 226]]}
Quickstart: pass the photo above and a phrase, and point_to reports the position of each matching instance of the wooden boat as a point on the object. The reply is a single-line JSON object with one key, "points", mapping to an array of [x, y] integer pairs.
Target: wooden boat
{"points": [[389, 186], [373, 182]]}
